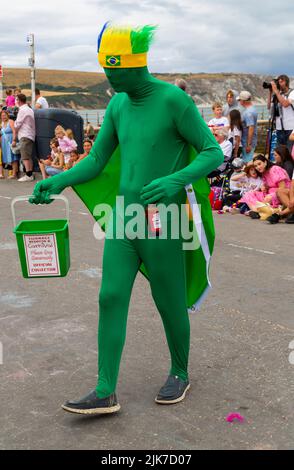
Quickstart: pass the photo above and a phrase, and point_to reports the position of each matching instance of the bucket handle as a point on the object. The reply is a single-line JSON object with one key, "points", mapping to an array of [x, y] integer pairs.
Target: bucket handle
{"points": [[26, 198]]}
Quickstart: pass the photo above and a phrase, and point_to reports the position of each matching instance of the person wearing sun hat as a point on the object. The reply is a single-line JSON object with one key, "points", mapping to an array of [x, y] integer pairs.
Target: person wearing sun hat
{"points": [[157, 129]]}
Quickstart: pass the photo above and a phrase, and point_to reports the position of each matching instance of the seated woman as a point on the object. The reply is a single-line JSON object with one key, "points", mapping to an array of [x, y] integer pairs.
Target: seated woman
{"points": [[273, 178], [283, 159], [87, 146], [286, 197]]}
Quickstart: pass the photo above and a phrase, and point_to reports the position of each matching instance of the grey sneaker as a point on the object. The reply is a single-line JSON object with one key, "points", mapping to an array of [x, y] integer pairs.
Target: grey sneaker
{"points": [[92, 405], [173, 391]]}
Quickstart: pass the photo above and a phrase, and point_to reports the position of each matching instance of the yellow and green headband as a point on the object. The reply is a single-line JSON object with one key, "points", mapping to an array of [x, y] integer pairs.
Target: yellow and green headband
{"points": [[124, 47]]}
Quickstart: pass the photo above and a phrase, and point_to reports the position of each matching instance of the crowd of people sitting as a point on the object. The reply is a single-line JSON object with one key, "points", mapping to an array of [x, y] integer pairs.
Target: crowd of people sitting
{"points": [[261, 189], [64, 153], [246, 182]]}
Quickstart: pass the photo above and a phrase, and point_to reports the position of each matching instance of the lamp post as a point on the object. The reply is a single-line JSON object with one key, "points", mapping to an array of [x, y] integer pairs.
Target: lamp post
{"points": [[31, 62], [1, 84]]}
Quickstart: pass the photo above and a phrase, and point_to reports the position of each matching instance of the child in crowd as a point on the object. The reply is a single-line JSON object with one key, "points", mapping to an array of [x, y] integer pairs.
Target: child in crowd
{"points": [[219, 120], [283, 159], [53, 157], [273, 178], [56, 166], [74, 157], [10, 99], [70, 135], [247, 180], [241, 182], [66, 144], [235, 132]]}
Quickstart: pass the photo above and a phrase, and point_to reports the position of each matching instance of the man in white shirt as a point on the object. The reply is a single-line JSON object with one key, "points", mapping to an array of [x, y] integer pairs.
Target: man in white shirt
{"points": [[41, 102], [26, 132], [285, 105]]}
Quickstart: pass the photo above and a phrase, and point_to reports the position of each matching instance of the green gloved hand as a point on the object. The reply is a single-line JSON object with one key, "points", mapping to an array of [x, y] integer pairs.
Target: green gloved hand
{"points": [[44, 189], [160, 189]]}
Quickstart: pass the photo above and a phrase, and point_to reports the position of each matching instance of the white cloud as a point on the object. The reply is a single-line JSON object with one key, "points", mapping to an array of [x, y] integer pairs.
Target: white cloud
{"points": [[193, 36]]}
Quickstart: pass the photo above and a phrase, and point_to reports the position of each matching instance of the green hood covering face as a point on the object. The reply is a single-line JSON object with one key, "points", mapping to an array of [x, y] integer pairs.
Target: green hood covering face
{"points": [[133, 81]]}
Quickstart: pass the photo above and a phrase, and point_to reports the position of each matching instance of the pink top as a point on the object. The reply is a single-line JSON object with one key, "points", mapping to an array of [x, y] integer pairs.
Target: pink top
{"points": [[67, 145], [10, 101], [274, 176], [25, 123]]}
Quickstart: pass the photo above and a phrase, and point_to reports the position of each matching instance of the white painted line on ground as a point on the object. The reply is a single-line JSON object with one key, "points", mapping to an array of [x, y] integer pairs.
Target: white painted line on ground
{"points": [[93, 273], [83, 213], [8, 246], [5, 197], [251, 249], [289, 278]]}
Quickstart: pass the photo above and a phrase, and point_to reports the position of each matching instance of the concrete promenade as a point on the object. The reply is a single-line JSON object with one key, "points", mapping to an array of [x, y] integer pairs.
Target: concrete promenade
{"points": [[239, 359]]}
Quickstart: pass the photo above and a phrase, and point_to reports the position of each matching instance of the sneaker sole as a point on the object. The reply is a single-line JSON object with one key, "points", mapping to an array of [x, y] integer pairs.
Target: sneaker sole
{"points": [[173, 402], [93, 411]]}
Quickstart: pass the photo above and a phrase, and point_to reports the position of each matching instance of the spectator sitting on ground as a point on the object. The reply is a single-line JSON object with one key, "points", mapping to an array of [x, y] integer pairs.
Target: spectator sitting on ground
{"points": [[87, 146], [70, 135], [41, 102], [249, 124], [273, 178], [286, 197], [219, 121], [74, 157], [283, 159], [54, 153], [243, 181], [56, 166], [235, 131], [10, 99], [221, 136], [231, 103], [66, 143]]}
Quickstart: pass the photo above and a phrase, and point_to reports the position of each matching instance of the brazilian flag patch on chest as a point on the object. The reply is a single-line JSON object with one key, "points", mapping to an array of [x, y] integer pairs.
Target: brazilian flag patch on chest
{"points": [[113, 60]]}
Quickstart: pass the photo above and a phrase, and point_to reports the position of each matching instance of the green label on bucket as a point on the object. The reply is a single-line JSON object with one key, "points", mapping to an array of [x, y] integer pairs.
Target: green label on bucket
{"points": [[41, 255]]}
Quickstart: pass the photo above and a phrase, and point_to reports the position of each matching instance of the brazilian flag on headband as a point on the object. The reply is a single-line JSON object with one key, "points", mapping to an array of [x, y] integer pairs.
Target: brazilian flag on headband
{"points": [[104, 189]]}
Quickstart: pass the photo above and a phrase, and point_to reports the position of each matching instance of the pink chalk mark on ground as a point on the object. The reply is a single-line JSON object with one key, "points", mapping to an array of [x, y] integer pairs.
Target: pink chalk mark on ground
{"points": [[235, 417]]}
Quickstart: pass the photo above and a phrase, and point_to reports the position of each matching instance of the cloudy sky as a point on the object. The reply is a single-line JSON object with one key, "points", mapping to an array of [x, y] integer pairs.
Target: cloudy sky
{"points": [[253, 36]]}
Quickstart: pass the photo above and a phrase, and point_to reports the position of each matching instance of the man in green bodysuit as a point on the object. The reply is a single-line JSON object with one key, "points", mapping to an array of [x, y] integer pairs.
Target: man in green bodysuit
{"points": [[154, 123]]}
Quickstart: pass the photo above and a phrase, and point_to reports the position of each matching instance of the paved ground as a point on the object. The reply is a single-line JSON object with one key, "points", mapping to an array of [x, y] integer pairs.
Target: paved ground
{"points": [[239, 352]]}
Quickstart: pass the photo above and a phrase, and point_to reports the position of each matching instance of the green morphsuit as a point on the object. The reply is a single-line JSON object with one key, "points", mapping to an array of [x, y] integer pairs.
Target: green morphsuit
{"points": [[154, 124]]}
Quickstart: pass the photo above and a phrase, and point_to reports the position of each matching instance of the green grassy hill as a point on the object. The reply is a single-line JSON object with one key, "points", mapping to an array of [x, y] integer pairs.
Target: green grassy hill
{"points": [[88, 90]]}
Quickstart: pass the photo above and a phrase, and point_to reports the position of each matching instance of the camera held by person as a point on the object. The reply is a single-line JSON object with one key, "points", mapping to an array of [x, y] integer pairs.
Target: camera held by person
{"points": [[268, 85], [281, 103]]}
